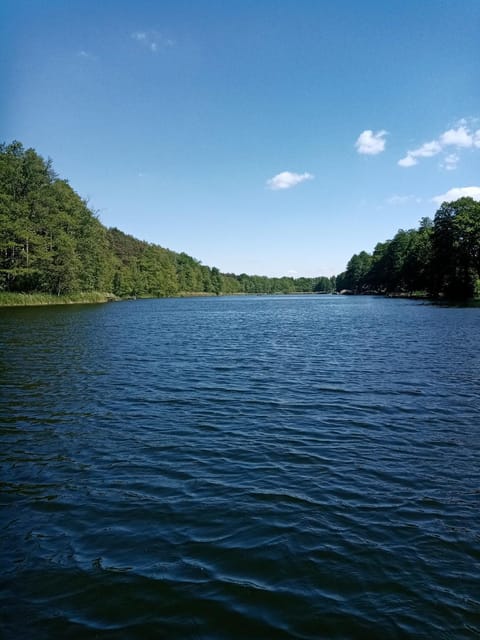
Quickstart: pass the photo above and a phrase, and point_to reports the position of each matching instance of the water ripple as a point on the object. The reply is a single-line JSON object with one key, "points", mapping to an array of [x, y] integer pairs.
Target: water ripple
{"points": [[225, 468]]}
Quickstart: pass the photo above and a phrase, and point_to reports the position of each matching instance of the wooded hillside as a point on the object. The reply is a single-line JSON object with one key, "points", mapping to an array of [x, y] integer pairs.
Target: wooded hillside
{"points": [[51, 242]]}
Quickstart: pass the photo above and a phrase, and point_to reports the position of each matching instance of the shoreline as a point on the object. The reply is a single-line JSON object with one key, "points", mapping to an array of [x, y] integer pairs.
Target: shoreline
{"points": [[10, 300], [46, 299], [15, 300]]}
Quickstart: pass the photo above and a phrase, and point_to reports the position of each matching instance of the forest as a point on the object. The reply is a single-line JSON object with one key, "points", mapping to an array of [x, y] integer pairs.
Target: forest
{"points": [[440, 259], [52, 243]]}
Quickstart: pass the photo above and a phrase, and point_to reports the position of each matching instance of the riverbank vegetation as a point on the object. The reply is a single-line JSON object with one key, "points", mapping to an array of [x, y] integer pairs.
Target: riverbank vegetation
{"points": [[53, 248], [440, 259], [52, 244], [9, 299]]}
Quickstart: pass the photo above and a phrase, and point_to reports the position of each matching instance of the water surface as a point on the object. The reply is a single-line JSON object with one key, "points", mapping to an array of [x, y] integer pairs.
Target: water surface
{"points": [[264, 467]]}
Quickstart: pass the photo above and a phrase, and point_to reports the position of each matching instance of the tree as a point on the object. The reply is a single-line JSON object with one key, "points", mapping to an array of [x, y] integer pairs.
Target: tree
{"points": [[456, 248], [417, 272], [395, 260], [51, 241], [442, 258], [355, 276], [216, 281]]}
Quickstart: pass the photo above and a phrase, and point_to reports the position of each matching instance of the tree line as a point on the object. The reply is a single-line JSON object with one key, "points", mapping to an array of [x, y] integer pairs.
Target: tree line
{"points": [[51, 242], [440, 258]]}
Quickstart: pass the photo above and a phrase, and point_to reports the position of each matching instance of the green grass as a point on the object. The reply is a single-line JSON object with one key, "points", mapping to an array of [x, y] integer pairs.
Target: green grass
{"points": [[8, 299]]}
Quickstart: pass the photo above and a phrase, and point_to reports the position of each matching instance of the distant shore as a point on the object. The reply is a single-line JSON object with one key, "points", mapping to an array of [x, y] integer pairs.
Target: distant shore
{"points": [[8, 299]]}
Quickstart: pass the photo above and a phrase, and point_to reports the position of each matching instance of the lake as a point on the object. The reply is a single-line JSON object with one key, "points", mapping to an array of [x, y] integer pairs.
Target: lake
{"points": [[240, 467]]}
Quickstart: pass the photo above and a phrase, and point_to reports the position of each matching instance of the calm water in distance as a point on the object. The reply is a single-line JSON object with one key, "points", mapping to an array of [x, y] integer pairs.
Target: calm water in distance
{"points": [[242, 467]]}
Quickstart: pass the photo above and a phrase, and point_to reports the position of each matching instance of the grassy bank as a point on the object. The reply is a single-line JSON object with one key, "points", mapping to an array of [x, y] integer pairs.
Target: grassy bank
{"points": [[8, 299]]}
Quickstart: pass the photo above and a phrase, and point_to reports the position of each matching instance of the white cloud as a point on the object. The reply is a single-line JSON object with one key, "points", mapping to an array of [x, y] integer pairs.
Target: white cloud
{"points": [[399, 200], [427, 150], [450, 161], [459, 137], [458, 192], [371, 143], [287, 179], [85, 55], [407, 161], [152, 40], [462, 136]]}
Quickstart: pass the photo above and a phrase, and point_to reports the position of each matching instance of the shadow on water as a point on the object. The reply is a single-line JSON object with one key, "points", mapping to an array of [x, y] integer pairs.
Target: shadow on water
{"points": [[469, 303]]}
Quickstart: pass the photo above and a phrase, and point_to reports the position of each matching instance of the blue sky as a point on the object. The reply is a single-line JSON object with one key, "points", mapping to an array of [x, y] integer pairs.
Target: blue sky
{"points": [[274, 137]]}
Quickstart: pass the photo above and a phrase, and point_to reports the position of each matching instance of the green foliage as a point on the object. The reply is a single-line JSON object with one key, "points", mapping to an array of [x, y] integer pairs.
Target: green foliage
{"points": [[456, 248], [52, 243], [441, 257], [476, 293], [49, 239], [8, 299], [354, 278]]}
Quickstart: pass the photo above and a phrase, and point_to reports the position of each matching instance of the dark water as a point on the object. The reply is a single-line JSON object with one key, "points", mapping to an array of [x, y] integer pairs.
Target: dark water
{"points": [[287, 467]]}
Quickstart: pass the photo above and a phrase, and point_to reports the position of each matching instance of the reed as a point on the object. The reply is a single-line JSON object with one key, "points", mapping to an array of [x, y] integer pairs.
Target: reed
{"points": [[9, 299]]}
